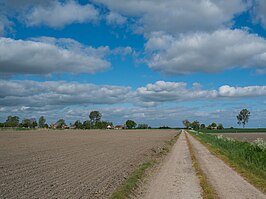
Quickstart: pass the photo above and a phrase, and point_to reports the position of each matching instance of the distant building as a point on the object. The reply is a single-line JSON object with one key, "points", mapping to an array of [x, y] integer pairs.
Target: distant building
{"points": [[119, 127], [110, 127]]}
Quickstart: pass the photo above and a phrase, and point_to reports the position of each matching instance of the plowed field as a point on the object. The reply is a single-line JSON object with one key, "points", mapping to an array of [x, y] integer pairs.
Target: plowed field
{"points": [[72, 163]]}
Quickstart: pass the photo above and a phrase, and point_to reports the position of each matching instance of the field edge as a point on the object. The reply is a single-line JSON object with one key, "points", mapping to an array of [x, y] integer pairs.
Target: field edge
{"points": [[253, 179], [133, 181]]}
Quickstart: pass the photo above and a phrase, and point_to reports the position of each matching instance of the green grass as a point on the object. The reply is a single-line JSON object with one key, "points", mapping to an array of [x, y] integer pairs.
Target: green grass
{"points": [[246, 158], [235, 130]]}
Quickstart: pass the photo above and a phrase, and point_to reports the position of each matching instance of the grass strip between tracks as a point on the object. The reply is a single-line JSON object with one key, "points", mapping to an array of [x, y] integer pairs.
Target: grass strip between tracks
{"points": [[229, 153], [132, 182], [208, 190]]}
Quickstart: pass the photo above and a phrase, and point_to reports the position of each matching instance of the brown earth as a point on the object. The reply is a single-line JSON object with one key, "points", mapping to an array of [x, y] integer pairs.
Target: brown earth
{"points": [[72, 163], [244, 136]]}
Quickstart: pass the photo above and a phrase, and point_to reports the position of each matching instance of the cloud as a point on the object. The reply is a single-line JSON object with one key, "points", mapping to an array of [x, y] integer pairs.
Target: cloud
{"points": [[55, 56], [259, 12], [161, 91], [73, 101], [59, 14], [39, 94], [205, 52], [175, 16], [52, 93], [114, 18], [229, 91]]}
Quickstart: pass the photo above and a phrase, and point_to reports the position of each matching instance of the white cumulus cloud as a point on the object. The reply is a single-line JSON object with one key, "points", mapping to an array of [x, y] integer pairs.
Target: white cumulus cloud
{"points": [[175, 16], [59, 93], [58, 14], [205, 52], [114, 18], [229, 91], [55, 56]]}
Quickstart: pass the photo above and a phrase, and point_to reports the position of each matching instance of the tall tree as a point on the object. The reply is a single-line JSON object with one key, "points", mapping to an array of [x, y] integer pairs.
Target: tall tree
{"points": [[60, 123], [195, 125], [220, 126], [186, 123], [42, 121], [131, 124], [95, 116], [87, 124], [12, 121], [202, 126], [243, 117], [78, 124]]}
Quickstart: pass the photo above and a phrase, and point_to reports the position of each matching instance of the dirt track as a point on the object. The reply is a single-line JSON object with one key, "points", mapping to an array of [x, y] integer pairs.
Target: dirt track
{"points": [[177, 179], [71, 164]]}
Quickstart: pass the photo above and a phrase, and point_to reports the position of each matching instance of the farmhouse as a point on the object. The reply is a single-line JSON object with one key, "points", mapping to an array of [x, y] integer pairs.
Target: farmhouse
{"points": [[117, 127]]}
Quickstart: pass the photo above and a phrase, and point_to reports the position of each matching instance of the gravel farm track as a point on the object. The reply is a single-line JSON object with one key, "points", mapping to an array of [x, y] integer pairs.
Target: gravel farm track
{"points": [[72, 163]]}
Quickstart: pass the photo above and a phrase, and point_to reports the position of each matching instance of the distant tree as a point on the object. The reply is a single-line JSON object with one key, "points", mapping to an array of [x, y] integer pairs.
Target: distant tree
{"points": [[60, 123], [34, 123], [202, 126], [12, 121], [78, 125], [42, 121], [243, 117], [213, 125], [29, 123], [164, 127], [95, 116], [131, 124], [102, 124], [26, 123], [195, 125], [220, 126], [87, 124], [186, 124], [143, 126]]}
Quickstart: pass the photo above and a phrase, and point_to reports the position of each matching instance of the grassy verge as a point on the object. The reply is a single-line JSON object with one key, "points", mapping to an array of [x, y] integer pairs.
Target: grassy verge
{"points": [[138, 174], [249, 160], [208, 191]]}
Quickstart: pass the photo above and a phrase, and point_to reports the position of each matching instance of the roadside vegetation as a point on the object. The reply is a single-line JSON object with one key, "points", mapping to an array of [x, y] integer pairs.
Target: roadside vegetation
{"points": [[249, 159]]}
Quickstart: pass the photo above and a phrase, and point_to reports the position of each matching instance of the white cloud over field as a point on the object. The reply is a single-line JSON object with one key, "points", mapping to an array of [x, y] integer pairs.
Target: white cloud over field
{"points": [[53, 56], [58, 14], [60, 93], [175, 16], [205, 52]]}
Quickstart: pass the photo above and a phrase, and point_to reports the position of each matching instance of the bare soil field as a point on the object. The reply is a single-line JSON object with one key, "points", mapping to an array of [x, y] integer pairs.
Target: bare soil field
{"points": [[244, 136], [72, 163]]}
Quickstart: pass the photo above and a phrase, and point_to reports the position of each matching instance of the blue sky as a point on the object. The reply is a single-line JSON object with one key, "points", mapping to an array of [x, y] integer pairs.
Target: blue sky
{"points": [[156, 62]]}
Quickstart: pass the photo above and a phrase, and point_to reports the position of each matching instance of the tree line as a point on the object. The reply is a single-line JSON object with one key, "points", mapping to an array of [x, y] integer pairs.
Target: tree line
{"points": [[242, 119], [196, 125], [94, 122]]}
